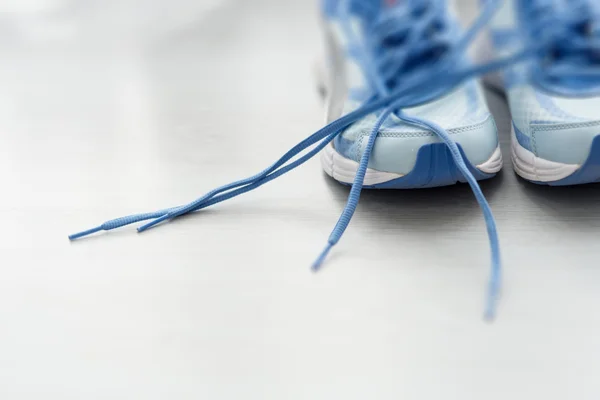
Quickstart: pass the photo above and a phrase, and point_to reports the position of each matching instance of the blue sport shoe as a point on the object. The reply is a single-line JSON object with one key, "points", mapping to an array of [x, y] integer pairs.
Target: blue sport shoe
{"points": [[404, 111], [555, 97], [373, 45]]}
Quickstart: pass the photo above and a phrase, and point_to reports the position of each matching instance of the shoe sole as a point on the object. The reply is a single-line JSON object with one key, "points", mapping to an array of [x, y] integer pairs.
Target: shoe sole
{"points": [[434, 167]]}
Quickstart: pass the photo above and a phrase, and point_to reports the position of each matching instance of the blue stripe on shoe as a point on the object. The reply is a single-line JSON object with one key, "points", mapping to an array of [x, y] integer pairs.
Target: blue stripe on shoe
{"points": [[524, 140]]}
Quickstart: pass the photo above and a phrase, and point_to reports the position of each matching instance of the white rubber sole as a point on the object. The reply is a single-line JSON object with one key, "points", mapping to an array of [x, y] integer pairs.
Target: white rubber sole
{"points": [[344, 170], [533, 168], [493, 164]]}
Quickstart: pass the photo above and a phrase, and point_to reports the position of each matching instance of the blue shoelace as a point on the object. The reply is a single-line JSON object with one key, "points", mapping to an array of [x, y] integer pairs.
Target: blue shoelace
{"points": [[567, 36], [440, 51]]}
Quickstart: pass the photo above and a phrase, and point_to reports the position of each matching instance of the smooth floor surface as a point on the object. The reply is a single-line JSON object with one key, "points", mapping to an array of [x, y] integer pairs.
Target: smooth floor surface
{"points": [[161, 104]]}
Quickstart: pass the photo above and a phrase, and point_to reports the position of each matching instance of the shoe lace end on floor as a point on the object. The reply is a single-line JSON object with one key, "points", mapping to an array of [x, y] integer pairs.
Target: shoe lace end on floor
{"points": [[88, 232], [153, 223], [493, 293], [319, 261]]}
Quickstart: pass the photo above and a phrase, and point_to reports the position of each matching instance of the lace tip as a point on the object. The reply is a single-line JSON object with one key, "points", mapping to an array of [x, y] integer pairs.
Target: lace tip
{"points": [[490, 315], [319, 261], [152, 223], [492, 302], [78, 235]]}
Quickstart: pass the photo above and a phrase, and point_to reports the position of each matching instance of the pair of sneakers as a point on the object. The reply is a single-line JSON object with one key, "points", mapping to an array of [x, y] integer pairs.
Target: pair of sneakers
{"points": [[405, 110], [553, 90], [554, 97]]}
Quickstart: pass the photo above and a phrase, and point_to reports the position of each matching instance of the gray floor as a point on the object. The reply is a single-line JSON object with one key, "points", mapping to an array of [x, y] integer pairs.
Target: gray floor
{"points": [[99, 120]]}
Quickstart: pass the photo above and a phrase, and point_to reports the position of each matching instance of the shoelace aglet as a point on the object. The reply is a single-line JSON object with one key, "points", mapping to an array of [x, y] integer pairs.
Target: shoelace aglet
{"points": [[490, 312], [76, 236], [319, 261], [154, 222], [492, 301]]}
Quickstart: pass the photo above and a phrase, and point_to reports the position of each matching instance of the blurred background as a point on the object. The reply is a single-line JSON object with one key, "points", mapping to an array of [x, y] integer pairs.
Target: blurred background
{"points": [[55, 21], [113, 107]]}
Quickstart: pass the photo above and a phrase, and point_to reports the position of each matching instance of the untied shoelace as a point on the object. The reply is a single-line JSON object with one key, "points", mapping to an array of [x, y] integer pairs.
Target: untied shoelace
{"points": [[424, 85]]}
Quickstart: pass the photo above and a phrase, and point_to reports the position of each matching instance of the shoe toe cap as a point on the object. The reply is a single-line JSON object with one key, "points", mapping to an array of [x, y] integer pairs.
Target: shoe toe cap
{"points": [[396, 150]]}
